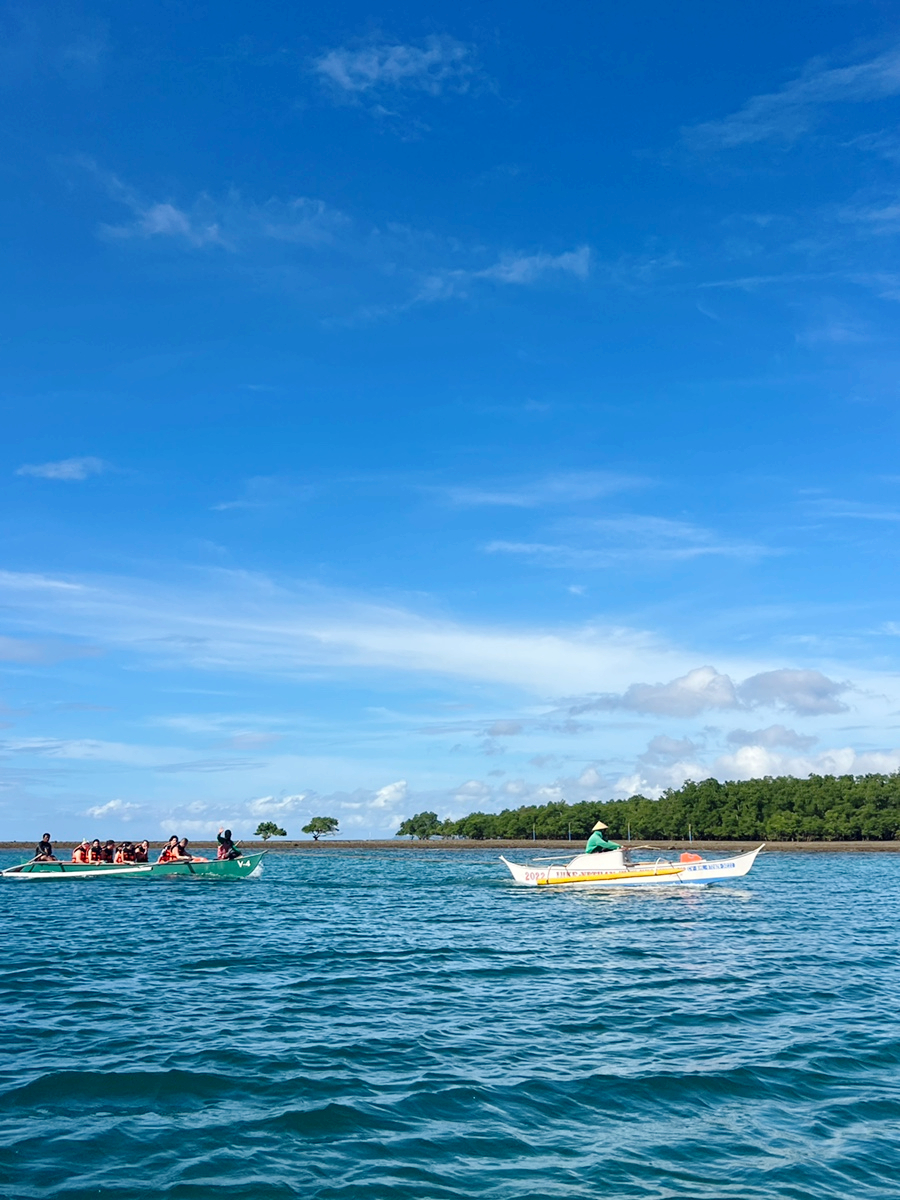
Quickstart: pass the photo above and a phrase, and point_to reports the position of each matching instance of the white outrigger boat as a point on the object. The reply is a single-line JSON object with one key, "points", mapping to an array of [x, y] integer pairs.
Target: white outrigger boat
{"points": [[613, 868]]}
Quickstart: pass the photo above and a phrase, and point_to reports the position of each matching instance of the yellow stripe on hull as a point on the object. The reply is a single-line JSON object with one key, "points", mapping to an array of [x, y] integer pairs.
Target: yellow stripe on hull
{"points": [[612, 875]]}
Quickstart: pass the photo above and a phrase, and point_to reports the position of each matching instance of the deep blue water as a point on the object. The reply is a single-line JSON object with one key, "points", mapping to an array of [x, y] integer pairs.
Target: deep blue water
{"points": [[410, 1025]]}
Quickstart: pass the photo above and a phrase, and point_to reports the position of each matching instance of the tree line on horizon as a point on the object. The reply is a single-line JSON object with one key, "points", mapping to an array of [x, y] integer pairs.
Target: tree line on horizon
{"points": [[783, 808]]}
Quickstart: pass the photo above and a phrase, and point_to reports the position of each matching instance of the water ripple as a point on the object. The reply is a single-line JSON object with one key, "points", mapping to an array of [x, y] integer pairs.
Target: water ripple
{"points": [[414, 1028]]}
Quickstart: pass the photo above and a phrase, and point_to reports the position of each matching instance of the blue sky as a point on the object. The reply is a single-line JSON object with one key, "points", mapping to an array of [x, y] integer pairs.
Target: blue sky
{"points": [[444, 409]]}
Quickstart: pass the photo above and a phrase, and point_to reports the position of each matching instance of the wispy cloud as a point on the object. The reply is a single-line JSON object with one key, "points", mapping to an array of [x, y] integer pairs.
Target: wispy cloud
{"points": [[67, 469], [266, 491], [568, 488], [233, 621], [435, 65], [21, 650], [853, 510], [795, 109], [611, 541], [38, 43], [253, 626], [306, 245], [510, 269], [526, 268]]}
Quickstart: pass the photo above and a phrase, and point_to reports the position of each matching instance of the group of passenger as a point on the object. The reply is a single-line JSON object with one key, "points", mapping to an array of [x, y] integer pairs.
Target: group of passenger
{"points": [[110, 851]]}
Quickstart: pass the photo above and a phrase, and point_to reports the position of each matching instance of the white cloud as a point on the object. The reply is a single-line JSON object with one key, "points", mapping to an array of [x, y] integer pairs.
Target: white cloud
{"points": [[701, 689], [269, 806], [505, 729], [664, 749], [774, 735], [391, 795], [796, 108], [808, 693], [439, 63], [754, 762], [805, 692], [68, 469], [115, 808]]}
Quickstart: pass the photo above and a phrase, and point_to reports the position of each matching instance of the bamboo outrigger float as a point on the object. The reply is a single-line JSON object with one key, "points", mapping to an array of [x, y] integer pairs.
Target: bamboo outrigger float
{"points": [[226, 868], [611, 869]]}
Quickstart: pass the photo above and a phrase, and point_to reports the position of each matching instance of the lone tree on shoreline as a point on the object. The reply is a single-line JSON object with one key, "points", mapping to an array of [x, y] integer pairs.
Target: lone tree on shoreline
{"points": [[267, 829], [320, 825]]}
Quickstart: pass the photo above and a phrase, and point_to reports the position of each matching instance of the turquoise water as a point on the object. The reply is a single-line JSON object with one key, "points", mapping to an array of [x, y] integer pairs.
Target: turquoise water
{"points": [[410, 1025]]}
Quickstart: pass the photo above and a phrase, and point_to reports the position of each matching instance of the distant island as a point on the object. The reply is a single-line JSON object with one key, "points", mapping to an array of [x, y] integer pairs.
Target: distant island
{"points": [[832, 808]]}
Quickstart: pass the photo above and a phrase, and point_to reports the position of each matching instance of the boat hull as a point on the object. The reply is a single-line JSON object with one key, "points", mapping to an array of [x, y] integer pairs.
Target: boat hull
{"points": [[234, 868], [585, 870]]}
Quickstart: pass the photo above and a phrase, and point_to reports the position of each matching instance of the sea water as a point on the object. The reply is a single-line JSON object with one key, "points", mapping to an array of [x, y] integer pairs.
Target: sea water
{"points": [[398, 1025]]}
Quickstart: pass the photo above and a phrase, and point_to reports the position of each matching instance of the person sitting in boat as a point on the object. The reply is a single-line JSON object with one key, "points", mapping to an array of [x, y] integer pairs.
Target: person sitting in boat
{"points": [[82, 852], [44, 850], [125, 853], [108, 851], [95, 854], [169, 852], [186, 854], [227, 848], [142, 852], [597, 843]]}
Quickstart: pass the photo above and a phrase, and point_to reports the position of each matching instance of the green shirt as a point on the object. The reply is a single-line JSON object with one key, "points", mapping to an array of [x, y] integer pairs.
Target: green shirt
{"points": [[598, 842]]}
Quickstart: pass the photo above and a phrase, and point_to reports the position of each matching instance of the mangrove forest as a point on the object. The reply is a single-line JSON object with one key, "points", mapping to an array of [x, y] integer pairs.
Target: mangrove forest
{"points": [[820, 808]]}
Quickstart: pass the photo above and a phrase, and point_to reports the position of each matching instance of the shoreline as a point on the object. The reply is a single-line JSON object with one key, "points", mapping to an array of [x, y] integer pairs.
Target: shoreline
{"points": [[284, 846]]}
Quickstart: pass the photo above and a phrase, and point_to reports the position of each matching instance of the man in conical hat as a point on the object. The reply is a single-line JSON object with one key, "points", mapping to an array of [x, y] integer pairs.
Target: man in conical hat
{"points": [[597, 842]]}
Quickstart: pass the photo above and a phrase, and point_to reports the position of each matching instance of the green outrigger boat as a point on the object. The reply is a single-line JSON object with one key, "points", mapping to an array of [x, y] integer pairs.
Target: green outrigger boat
{"points": [[228, 868]]}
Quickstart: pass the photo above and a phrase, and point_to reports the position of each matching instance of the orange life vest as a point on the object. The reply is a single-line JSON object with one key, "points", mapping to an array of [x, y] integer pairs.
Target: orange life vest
{"points": [[120, 855], [79, 855], [95, 854]]}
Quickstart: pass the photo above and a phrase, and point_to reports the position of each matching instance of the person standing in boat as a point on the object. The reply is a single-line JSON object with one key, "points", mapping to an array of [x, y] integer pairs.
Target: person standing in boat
{"points": [[44, 850], [596, 843]]}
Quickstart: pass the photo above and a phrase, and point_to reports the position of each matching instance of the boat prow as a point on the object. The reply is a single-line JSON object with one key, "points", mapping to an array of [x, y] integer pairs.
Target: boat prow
{"points": [[610, 869]]}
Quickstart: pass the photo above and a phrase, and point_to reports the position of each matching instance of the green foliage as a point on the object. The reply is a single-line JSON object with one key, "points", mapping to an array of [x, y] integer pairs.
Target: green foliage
{"points": [[423, 825], [267, 829], [320, 825], [829, 807]]}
